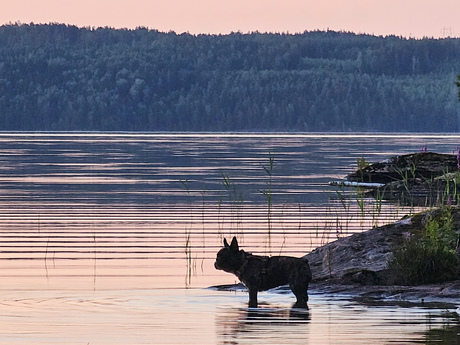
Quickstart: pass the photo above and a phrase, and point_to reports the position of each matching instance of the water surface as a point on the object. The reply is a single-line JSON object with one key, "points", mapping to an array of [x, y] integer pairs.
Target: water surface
{"points": [[111, 238]]}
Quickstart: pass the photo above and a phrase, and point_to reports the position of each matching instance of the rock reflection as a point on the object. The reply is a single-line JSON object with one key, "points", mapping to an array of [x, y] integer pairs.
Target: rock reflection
{"points": [[267, 325]]}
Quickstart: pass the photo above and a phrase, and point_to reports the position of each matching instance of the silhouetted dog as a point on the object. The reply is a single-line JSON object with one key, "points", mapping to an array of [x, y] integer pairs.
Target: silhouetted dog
{"points": [[260, 273]]}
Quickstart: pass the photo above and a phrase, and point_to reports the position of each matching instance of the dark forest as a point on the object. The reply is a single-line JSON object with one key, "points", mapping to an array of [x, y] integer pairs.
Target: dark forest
{"points": [[59, 77]]}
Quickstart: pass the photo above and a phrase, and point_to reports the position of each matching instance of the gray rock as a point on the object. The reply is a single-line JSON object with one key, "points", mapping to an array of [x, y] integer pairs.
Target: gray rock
{"points": [[357, 266], [424, 165], [366, 251]]}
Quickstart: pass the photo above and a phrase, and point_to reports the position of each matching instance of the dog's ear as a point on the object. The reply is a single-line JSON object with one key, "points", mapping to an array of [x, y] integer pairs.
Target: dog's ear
{"points": [[234, 244], [226, 243]]}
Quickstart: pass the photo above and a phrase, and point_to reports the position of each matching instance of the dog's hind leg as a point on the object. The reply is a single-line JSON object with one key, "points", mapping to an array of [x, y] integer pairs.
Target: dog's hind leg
{"points": [[301, 294]]}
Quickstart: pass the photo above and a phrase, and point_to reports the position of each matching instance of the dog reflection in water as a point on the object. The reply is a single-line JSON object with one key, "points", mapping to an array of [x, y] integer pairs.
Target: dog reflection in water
{"points": [[260, 273]]}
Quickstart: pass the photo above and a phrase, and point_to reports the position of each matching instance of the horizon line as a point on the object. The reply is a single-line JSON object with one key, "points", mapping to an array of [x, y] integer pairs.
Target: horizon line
{"points": [[287, 32]]}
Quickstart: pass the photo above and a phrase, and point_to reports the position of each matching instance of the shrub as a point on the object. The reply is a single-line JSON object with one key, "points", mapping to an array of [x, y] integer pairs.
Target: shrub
{"points": [[429, 256]]}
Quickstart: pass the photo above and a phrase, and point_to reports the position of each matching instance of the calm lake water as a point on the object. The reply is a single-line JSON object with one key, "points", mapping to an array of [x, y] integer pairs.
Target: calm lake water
{"points": [[111, 238]]}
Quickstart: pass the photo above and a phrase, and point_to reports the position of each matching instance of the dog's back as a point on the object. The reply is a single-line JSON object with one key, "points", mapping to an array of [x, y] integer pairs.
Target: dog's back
{"points": [[266, 273]]}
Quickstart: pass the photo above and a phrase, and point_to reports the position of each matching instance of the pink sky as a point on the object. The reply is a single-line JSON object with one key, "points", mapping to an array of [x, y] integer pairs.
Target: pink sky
{"points": [[410, 18]]}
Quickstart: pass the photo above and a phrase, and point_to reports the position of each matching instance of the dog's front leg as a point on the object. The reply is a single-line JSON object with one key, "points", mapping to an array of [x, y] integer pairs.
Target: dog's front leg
{"points": [[252, 298]]}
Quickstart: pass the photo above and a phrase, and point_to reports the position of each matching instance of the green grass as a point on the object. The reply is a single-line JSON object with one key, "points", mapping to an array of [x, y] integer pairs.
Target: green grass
{"points": [[429, 255]]}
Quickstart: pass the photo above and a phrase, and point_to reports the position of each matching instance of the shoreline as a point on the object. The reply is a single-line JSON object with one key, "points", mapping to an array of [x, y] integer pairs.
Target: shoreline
{"points": [[444, 295], [441, 296]]}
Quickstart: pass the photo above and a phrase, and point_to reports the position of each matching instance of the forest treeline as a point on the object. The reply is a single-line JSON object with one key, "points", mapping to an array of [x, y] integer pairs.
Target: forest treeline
{"points": [[59, 77]]}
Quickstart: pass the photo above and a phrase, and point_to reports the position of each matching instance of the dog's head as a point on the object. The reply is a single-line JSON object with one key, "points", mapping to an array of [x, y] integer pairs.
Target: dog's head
{"points": [[229, 258]]}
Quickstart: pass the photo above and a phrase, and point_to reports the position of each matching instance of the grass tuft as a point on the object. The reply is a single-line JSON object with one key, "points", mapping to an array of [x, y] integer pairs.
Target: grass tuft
{"points": [[429, 256]]}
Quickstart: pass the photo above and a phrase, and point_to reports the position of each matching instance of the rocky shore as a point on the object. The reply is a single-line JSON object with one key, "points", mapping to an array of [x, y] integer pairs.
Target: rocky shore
{"points": [[416, 179], [357, 266]]}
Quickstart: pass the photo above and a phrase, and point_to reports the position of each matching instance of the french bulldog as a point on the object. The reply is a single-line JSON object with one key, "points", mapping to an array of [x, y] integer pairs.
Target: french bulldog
{"points": [[260, 273]]}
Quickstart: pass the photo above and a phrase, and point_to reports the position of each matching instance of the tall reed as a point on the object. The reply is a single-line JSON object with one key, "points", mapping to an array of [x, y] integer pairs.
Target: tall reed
{"points": [[236, 199], [188, 239], [269, 195]]}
